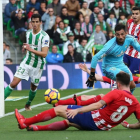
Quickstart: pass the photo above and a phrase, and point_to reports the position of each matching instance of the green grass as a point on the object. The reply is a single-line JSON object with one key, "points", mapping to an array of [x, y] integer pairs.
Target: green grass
{"points": [[10, 131]]}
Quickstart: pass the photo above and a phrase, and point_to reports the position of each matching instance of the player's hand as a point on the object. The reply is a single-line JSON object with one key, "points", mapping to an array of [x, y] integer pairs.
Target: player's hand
{"points": [[72, 113], [83, 67], [125, 124], [26, 46], [91, 79]]}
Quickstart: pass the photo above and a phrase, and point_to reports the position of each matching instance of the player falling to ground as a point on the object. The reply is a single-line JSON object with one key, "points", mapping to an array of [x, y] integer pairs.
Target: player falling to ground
{"points": [[32, 65], [115, 109], [89, 99], [132, 57], [112, 54]]}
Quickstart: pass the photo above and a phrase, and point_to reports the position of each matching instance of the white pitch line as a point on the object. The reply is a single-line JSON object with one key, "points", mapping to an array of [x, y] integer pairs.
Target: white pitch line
{"points": [[34, 106]]}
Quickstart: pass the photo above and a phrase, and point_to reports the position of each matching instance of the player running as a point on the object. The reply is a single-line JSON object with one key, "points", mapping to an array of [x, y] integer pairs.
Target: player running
{"points": [[33, 63], [132, 57], [114, 110], [112, 54]]}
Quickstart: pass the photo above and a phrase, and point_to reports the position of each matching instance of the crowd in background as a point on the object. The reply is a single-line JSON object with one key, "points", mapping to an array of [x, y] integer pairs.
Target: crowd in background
{"points": [[70, 25]]}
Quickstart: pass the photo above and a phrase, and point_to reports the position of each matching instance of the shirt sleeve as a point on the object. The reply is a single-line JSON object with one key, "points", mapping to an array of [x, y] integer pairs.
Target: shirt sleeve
{"points": [[137, 112], [102, 53], [45, 41], [109, 97], [135, 44], [106, 79]]}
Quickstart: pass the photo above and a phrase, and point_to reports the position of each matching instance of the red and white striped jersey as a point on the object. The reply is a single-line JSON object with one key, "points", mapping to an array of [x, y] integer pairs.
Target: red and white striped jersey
{"points": [[134, 30], [120, 104]]}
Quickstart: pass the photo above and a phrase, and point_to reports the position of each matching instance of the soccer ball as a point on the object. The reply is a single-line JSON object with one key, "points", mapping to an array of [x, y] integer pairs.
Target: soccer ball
{"points": [[52, 96]]}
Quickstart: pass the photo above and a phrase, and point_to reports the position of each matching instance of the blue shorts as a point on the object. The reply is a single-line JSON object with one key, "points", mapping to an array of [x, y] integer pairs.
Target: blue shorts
{"points": [[111, 72], [132, 63], [84, 120]]}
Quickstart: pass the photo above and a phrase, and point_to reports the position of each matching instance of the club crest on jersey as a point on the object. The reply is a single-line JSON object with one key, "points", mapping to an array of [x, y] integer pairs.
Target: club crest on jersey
{"points": [[128, 100], [46, 42]]}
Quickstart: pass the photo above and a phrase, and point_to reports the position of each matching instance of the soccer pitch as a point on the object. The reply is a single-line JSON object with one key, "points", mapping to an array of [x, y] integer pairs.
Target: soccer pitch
{"points": [[10, 131]]}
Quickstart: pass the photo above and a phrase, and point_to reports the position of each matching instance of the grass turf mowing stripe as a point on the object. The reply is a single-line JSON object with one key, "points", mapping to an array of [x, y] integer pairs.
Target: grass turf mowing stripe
{"points": [[34, 106]]}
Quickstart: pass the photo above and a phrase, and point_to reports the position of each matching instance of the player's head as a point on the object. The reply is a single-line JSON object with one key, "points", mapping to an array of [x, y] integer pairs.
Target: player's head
{"points": [[36, 21], [123, 79], [120, 33], [136, 14]]}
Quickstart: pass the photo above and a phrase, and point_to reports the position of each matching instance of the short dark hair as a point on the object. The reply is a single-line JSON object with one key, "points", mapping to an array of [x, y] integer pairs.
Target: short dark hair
{"points": [[136, 8], [119, 27], [70, 45], [84, 2], [123, 78], [9, 59], [36, 16]]}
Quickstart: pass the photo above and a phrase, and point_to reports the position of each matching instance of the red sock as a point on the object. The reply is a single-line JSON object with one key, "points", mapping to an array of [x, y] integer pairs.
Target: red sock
{"points": [[106, 79], [69, 101], [41, 117], [79, 97], [135, 78], [90, 101], [61, 125]]}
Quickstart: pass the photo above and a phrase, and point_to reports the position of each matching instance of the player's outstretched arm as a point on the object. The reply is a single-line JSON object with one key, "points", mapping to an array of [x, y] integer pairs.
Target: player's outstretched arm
{"points": [[91, 107], [131, 126], [42, 53]]}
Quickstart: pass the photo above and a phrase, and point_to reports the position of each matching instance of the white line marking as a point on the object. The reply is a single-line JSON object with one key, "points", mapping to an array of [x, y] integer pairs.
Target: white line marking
{"points": [[34, 106]]}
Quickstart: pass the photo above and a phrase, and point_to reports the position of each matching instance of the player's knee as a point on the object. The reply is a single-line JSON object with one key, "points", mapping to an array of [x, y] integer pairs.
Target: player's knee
{"points": [[83, 97], [60, 109], [102, 95]]}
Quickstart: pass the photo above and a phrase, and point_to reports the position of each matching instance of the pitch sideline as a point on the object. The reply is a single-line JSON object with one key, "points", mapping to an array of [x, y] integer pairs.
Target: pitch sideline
{"points": [[34, 106]]}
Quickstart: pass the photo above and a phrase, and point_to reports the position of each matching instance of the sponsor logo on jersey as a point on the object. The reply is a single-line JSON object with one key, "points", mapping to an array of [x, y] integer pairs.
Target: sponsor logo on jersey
{"points": [[46, 42], [120, 54], [128, 100]]}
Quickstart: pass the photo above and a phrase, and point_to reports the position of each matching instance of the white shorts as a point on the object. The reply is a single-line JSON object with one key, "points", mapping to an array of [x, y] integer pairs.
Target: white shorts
{"points": [[25, 71]]}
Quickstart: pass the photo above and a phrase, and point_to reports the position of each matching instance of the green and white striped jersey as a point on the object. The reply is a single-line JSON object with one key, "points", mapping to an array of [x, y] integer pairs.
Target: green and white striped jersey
{"points": [[36, 42]]}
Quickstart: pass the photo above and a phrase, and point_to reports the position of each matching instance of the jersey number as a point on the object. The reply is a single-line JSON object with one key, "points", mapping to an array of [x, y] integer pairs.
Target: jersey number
{"points": [[121, 111], [21, 70]]}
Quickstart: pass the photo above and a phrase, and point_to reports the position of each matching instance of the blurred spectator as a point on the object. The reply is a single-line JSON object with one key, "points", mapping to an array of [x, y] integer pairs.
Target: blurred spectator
{"points": [[110, 35], [60, 37], [35, 11], [93, 16], [92, 5], [79, 18], [78, 33], [49, 19], [85, 10], [126, 6], [103, 10], [9, 8], [67, 27], [72, 55], [32, 3], [112, 21], [42, 9], [54, 57], [54, 28], [105, 28], [137, 3], [8, 47], [6, 53], [56, 7], [30, 13], [117, 10], [9, 61], [87, 27], [87, 56], [19, 21], [70, 41], [73, 7], [99, 36], [20, 4], [123, 19], [64, 15]]}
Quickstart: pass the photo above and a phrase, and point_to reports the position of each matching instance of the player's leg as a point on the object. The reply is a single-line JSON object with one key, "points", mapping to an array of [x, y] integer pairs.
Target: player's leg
{"points": [[126, 60], [32, 93], [35, 74], [89, 101], [41, 117], [8, 90]]}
